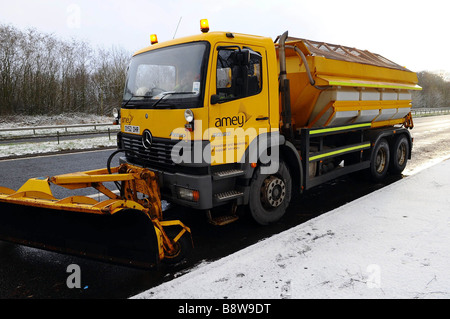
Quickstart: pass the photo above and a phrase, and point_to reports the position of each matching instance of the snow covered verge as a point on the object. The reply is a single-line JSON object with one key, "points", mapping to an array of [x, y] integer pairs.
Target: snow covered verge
{"points": [[22, 149], [46, 120], [393, 243], [18, 148]]}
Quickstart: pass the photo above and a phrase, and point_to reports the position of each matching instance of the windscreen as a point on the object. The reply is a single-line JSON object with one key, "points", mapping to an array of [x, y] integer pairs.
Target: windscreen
{"points": [[171, 77]]}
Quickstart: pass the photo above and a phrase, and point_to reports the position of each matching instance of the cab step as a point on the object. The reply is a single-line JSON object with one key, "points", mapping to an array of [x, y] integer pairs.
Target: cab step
{"points": [[228, 174], [228, 195], [222, 220], [225, 218]]}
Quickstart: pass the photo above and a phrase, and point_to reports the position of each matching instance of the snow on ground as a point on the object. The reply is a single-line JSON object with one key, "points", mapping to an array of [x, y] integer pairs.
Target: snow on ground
{"points": [[46, 120], [393, 243], [19, 148]]}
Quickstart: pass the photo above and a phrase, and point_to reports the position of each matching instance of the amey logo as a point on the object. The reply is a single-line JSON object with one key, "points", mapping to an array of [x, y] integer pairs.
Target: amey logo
{"points": [[237, 120], [236, 145], [128, 119]]}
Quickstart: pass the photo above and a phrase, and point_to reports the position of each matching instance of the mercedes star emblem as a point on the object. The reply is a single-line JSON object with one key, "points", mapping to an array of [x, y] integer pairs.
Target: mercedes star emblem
{"points": [[147, 139]]}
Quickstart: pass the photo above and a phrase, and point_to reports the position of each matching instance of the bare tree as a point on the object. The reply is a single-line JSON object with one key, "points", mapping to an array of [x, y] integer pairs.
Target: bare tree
{"points": [[41, 74], [435, 90]]}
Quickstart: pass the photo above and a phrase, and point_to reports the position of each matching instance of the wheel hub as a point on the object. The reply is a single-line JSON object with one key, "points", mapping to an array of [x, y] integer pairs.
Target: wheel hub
{"points": [[273, 192], [401, 151], [380, 161]]}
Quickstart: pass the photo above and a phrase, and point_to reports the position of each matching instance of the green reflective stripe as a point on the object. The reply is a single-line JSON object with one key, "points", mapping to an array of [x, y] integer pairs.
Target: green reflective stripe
{"points": [[341, 128], [339, 151]]}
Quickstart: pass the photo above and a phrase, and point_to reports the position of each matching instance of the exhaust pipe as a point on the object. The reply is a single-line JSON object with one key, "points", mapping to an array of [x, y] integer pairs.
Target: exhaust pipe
{"points": [[285, 89], [282, 55]]}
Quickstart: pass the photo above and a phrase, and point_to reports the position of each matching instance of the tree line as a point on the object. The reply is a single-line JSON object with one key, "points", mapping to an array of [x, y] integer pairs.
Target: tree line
{"points": [[42, 74], [435, 90]]}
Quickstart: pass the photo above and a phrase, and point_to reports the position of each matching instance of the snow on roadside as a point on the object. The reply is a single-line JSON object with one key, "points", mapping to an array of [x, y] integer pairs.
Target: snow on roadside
{"points": [[19, 149], [30, 148], [393, 243], [47, 120]]}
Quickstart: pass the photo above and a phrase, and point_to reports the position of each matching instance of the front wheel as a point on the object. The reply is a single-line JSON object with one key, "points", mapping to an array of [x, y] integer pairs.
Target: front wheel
{"points": [[270, 195]]}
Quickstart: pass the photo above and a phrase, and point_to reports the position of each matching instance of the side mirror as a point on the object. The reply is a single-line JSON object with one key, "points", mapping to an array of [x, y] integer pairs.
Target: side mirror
{"points": [[244, 57], [215, 98], [240, 57]]}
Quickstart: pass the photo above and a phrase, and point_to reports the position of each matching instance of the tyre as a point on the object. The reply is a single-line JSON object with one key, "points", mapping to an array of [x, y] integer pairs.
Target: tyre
{"points": [[379, 161], [399, 154], [270, 195]]}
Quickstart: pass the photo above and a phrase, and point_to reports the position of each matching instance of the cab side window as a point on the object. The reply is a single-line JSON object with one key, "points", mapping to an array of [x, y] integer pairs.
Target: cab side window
{"points": [[238, 73]]}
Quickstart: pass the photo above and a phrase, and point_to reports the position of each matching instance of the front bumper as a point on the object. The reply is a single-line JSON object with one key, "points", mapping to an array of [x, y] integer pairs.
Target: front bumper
{"points": [[169, 182]]}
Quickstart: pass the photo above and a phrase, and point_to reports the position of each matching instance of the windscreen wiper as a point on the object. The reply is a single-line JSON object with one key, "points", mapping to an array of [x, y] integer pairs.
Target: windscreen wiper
{"points": [[170, 93], [133, 96]]}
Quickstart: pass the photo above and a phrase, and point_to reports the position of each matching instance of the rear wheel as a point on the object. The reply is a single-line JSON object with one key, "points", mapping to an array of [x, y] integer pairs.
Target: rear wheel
{"points": [[379, 162], [399, 155], [270, 195]]}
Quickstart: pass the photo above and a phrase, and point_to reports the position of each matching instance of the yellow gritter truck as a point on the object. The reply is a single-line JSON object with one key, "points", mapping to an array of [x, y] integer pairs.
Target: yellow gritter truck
{"points": [[221, 120], [260, 120]]}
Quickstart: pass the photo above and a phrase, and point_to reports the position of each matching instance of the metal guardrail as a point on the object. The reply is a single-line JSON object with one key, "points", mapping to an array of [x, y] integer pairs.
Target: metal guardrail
{"points": [[54, 127], [49, 131], [430, 111]]}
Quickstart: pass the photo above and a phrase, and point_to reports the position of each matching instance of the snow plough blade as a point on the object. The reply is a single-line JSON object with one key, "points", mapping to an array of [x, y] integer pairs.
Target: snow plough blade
{"points": [[126, 228]]}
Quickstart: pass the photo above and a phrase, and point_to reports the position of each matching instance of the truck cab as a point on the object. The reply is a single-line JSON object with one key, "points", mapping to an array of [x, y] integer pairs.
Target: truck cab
{"points": [[191, 108]]}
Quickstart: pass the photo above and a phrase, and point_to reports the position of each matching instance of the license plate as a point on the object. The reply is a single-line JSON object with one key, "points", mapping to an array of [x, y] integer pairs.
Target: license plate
{"points": [[132, 129]]}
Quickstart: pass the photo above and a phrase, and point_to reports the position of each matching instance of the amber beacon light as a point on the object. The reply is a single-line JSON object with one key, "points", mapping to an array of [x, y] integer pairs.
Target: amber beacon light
{"points": [[153, 39], [204, 25]]}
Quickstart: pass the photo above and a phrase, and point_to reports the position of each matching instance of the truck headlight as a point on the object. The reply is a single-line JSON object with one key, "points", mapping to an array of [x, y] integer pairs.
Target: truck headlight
{"points": [[188, 194], [116, 115], [189, 115]]}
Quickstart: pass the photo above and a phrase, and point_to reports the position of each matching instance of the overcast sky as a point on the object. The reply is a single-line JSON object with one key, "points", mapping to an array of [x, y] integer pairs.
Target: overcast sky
{"points": [[412, 33]]}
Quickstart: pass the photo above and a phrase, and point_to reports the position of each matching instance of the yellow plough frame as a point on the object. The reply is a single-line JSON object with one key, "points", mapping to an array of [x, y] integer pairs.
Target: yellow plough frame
{"points": [[127, 228]]}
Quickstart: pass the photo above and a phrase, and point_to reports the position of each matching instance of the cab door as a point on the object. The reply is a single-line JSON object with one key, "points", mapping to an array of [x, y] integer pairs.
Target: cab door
{"points": [[239, 103]]}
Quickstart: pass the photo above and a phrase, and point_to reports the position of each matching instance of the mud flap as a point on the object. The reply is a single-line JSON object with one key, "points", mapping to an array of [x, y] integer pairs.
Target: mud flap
{"points": [[127, 237]]}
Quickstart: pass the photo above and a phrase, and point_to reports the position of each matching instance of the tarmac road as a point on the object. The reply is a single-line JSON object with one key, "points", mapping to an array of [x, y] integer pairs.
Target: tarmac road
{"points": [[33, 273]]}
